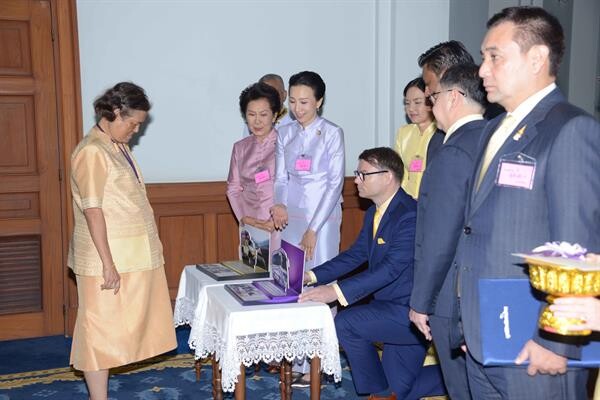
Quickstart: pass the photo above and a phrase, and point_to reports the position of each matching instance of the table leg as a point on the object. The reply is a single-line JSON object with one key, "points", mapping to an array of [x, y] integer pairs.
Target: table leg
{"points": [[216, 381], [282, 379], [198, 367], [240, 386], [285, 380], [315, 378]]}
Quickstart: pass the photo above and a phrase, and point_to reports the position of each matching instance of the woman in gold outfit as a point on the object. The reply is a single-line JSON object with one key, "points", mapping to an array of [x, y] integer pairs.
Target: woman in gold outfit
{"points": [[124, 312]]}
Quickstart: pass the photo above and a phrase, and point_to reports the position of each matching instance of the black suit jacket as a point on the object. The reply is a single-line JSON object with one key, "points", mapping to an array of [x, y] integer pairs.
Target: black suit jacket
{"points": [[440, 219]]}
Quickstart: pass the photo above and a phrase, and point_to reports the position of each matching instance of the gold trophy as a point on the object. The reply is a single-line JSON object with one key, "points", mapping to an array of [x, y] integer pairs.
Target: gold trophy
{"points": [[560, 276]]}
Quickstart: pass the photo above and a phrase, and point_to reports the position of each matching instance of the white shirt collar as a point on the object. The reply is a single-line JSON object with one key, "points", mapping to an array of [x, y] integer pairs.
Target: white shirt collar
{"points": [[460, 122], [529, 104]]}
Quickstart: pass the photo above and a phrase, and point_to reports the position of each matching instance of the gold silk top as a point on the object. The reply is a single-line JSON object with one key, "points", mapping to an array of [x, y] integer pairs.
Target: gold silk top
{"points": [[412, 146], [101, 177]]}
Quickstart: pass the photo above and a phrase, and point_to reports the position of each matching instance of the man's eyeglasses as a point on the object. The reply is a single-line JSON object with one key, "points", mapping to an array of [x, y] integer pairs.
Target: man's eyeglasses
{"points": [[361, 175], [434, 96]]}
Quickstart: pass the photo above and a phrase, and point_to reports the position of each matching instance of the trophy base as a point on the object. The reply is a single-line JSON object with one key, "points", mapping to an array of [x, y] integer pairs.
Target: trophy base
{"points": [[550, 323]]}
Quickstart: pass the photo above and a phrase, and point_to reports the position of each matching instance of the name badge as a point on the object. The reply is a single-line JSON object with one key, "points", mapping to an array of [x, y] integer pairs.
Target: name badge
{"points": [[516, 170], [303, 164], [416, 165], [262, 176]]}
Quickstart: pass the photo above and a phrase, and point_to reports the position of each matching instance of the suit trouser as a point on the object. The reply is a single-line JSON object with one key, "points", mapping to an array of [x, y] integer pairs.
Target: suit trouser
{"points": [[452, 361], [401, 366], [491, 383]]}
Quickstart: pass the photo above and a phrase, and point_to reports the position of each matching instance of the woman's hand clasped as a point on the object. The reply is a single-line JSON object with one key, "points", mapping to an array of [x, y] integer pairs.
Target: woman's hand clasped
{"points": [[308, 243], [264, 224], [112, 279], [280, 216]]}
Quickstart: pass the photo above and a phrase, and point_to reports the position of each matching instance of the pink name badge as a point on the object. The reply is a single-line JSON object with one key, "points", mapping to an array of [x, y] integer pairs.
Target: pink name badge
{"points": [[516, 175], [262, 176], [416, 165], [303, 164]]}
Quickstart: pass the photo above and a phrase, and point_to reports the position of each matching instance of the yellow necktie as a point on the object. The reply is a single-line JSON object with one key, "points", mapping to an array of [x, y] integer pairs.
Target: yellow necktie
{"points": [[376, 220], [496, 141]]}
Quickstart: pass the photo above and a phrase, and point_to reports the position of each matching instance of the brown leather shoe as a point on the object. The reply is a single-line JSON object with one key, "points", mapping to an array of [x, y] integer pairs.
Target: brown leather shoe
{"points": [[390, 397]]}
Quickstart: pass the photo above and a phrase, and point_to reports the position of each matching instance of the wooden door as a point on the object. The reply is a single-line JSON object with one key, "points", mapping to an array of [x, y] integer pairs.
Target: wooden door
{"points": [[31, 260]]}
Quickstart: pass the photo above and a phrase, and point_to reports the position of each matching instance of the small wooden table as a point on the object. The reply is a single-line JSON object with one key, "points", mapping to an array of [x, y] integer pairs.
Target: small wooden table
{"points": [[239, 336]]}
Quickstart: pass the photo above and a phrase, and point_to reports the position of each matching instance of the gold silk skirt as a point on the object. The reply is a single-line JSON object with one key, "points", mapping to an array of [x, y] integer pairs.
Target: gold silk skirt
{"points": [[114, 330]]}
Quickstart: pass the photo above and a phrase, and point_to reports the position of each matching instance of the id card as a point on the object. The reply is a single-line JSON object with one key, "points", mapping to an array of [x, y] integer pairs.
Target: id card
{"points": [[262, 176], [516, 170], [416, 165], [303, 163]]}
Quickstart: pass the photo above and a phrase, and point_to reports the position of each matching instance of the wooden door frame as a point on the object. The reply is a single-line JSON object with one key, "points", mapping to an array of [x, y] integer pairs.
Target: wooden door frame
{"points": [[70, 131]]}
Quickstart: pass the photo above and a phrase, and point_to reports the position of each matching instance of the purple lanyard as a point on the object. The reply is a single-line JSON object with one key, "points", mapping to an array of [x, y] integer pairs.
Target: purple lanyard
{"points": [[129, 160], [124, 152]]}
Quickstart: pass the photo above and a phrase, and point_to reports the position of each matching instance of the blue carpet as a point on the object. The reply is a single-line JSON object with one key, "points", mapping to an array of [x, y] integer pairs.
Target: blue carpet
{"points": [[38, 369]]}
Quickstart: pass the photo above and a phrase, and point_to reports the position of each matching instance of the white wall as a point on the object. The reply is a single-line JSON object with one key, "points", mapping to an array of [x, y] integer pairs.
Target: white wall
{"points": [[194, 57]]}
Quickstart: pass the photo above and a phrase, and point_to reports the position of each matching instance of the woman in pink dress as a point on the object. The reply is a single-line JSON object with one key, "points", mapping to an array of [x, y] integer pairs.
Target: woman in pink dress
{"points": [[252, 167]]}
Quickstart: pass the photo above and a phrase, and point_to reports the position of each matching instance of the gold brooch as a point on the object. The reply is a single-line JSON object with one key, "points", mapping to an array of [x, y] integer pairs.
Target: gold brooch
{"points": [[519, 133]]}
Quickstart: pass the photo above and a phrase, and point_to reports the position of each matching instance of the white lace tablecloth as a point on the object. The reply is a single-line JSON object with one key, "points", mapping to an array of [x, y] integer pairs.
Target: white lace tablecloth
{"points": [[239, 334]]}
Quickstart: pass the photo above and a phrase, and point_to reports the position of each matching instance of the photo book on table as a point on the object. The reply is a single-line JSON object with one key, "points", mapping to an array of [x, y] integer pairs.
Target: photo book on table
{"points": [[509, 311], [253, 262], [287, 270]]}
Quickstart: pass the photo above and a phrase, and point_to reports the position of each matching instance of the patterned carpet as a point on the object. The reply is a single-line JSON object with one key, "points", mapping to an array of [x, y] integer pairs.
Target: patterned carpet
{"points": [[166, 377], [37, 369]]}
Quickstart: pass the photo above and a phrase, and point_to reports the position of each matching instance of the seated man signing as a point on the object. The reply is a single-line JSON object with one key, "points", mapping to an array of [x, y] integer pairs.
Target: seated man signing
{"points": [[386, 241]]}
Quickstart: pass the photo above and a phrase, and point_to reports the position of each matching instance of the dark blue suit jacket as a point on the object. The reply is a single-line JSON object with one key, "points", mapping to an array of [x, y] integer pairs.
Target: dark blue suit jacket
{"points": [[563, 205], [389, 275], [440, 219]]}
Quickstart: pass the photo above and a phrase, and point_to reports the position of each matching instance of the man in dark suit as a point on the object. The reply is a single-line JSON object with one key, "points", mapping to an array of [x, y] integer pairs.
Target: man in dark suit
{"points": [[386, 241], [458, 104], [536, 181]]}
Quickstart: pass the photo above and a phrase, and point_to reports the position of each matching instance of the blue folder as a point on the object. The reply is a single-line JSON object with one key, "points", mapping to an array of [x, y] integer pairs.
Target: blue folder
{"points": [[509, 313]]}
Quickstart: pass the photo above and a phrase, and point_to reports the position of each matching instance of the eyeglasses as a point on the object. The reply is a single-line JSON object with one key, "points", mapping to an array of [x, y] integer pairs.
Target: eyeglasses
{"points": [[434, 96], [361, 175]]}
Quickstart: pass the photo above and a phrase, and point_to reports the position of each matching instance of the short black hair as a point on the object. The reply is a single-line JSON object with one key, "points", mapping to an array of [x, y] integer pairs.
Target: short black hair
{"points": [[124, 96], [384, 158], [260, 90], [466, 78], [534, 26], [443, 55], [310, 79], [419, 83]]}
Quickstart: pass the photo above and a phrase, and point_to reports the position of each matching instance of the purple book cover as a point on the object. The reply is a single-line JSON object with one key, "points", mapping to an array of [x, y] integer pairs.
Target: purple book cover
{"points": [[295, 267]]}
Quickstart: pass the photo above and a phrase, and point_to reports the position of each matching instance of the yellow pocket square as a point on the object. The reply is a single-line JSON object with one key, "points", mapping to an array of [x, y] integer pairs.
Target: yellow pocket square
{"points": [[380, 241]]}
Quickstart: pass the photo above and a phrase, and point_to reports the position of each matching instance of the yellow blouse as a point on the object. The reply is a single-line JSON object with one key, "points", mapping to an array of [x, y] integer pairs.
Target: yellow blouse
{"points": [[412, 145], [101, 177]]}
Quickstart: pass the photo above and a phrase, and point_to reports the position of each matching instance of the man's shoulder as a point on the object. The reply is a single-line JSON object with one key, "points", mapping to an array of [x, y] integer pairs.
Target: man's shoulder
{"points": [[402, 205], [467, 137], [564, 115]]}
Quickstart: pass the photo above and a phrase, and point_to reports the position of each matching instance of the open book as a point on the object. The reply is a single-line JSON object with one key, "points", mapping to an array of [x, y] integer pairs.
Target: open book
{"points": [[253, 262], [287, 269]]}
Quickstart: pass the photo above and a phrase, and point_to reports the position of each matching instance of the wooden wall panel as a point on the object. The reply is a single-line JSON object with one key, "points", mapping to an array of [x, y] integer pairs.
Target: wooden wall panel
{"points": [[181, 236], [196, 224], [15, 57]]}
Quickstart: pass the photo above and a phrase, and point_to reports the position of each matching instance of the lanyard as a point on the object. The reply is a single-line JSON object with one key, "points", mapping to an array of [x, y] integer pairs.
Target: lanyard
{"points": [[129, 160], [125, 154]]}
